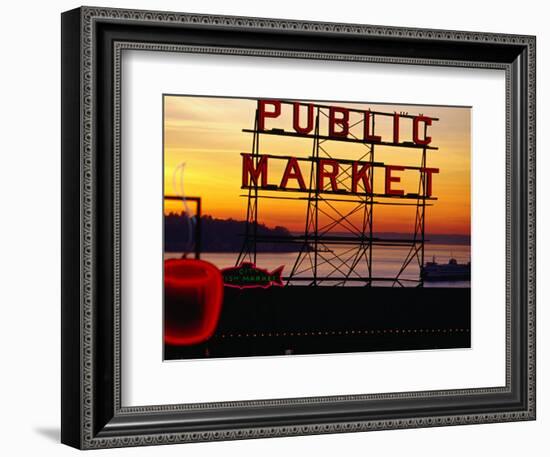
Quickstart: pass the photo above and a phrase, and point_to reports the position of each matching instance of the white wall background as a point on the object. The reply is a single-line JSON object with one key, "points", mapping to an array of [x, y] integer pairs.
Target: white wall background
{"points": [[30, 228]]}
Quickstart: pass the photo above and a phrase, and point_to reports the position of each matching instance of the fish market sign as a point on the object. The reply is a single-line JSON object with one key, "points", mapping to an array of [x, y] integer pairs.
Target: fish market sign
{"points": [[247, 275], [334, 175]]}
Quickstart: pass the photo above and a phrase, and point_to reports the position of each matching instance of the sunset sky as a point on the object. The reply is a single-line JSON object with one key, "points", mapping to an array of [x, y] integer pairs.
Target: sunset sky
{"points": [[206, 134]]}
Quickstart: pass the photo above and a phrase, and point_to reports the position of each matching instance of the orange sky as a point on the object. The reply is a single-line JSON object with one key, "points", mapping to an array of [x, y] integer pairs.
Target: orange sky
{"points": [[206, 134]]}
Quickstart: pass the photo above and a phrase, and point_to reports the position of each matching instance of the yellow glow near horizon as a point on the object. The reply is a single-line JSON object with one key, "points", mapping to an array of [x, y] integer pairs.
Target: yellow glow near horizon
{"points": [[206, 134]]}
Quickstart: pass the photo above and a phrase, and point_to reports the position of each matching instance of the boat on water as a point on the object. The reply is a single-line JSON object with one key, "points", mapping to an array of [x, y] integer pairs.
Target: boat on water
{"points": [[452, 271]]}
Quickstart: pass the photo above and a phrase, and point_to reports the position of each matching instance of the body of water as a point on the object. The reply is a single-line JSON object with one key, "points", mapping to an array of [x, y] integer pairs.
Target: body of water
{"points": [[386, 263]]}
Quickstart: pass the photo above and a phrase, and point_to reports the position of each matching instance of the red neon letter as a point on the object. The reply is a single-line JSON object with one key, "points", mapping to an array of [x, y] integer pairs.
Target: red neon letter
{"points": [[429, 172], [390, 179], [262, 113], [255, 173], [417, 120], [367, 134], [360, 175], [331, 175], [296, 119], [342, 121], [292, 171], [396, 128]]}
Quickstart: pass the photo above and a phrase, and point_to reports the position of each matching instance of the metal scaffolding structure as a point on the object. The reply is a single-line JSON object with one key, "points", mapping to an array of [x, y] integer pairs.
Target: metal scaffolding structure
{"points": [[336, 245]]}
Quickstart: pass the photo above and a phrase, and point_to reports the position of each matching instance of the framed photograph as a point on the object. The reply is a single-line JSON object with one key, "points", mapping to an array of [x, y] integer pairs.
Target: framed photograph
{"points": [[274, 228], [326, 236]]}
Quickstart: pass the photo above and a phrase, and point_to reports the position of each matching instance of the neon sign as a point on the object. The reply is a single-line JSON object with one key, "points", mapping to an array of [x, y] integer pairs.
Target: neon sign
{"points": [[256, 169]]}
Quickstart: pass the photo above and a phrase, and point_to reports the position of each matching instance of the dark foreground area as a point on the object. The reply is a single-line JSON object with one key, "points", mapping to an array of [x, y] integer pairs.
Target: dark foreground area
{"points": [[321, 320]]}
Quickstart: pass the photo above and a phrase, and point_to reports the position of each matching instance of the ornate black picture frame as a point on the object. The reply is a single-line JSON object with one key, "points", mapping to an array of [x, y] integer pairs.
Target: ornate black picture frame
{"points": [[92, 42]]}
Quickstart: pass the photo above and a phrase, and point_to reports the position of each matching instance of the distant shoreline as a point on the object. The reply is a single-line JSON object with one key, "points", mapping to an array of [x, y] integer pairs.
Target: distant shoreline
{"points": [[227, 236], [264, 251]]}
